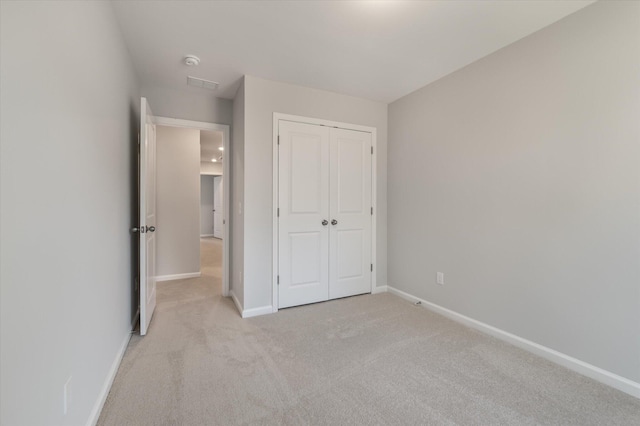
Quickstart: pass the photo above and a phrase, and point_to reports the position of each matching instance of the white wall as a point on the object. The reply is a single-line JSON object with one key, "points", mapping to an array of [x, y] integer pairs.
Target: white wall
{"points": [[206, 205], [262, 99], [518, 177], [236, 198], [65, 293], [209, 168], [178, 201], [188, 104]]}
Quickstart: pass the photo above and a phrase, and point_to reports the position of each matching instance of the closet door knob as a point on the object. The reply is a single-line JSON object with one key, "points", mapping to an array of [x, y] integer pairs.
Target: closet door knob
{"points": [[334, 222], [325, 222]]}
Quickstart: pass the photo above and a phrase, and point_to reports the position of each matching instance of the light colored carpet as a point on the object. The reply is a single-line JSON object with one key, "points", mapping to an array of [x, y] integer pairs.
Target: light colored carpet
{"points": [[374, 360]]}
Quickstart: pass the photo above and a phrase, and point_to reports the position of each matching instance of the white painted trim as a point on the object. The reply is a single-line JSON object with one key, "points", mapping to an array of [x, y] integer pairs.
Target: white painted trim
{"points": [[276, 190], [189, 124], [102, 397], [381, 289], [236, 302], [603, 376], [321, 122], [277, 117], [177, 276], [374, 204], [254, 312], [206, 235], [226, 171]]}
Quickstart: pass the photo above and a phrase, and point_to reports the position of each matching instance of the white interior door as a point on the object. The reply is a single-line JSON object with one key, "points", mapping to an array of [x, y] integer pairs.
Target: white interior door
{"points": [[147, 216], [217, 206], [351, 212], [303, 231], [206, 205]]}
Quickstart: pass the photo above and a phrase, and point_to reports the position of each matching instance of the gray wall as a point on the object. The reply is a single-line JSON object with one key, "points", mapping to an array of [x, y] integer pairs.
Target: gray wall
{"points": [[188, 104], [66, 290], [178, 201], [518, 177], [263, 98], [236, 198]]}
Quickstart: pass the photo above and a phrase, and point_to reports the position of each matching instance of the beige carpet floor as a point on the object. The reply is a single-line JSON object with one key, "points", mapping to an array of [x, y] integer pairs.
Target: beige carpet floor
{"points": [[366, 360]]}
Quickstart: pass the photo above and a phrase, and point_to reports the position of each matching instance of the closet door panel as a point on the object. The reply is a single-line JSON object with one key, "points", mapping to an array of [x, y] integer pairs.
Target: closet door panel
{"points": [[350, 205], [303, 242]]}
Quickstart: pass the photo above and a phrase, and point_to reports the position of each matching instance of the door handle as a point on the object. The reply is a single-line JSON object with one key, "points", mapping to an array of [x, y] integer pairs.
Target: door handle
{"points": [[135, 230], [325, 222], [334, 222], [151, 229]]}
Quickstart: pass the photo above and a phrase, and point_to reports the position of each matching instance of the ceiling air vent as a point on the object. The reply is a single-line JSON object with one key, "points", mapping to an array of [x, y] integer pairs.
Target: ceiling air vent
{"points": [[202, 83]]}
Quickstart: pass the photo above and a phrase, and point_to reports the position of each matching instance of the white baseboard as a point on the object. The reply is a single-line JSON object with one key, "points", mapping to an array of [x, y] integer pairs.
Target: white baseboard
{"points": [[102, 397], [603, 376], [381, 289], [206, 235], [254, 312], [178, 276]]}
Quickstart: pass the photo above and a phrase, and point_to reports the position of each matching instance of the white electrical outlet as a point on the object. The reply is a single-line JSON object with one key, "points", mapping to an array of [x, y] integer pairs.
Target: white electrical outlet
{"points": [[440, 278], [66, 397]]}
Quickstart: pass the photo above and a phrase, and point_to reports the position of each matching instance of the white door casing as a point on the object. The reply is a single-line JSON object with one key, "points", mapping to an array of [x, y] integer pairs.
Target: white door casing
{"points": [[324, 174], [147, 201], [304, 191], [217, 206]]}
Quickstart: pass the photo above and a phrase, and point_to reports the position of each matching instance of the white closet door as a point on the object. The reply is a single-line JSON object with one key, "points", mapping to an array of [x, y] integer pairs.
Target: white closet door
{"points": [[304, 204], [350, 235]]}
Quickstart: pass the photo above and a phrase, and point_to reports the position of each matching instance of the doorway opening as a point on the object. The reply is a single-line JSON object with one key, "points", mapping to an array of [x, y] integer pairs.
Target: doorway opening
{"points": [[193, 239]]}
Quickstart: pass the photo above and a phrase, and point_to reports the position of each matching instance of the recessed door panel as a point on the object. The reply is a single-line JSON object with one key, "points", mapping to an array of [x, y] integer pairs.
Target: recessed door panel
{"points": [[305, 258], [305, 172], [351, 174], [349, 253]]}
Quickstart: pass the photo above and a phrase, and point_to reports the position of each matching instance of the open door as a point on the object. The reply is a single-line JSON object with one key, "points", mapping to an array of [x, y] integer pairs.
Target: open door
{"points": [[217, 206], [147, 228]]}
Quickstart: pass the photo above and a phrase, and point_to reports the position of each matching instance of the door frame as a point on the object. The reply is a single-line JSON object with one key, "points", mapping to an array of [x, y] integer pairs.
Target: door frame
{"points": [[226, 183], [277, 117]]}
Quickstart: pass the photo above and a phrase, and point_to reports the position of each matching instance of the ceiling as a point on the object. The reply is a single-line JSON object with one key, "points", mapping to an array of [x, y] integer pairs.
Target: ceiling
{"points": [[379, 50], [210, 142]]}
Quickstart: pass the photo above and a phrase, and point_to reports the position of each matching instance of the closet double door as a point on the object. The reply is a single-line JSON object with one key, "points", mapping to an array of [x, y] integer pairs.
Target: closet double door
{"points": [[324, 213]]}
